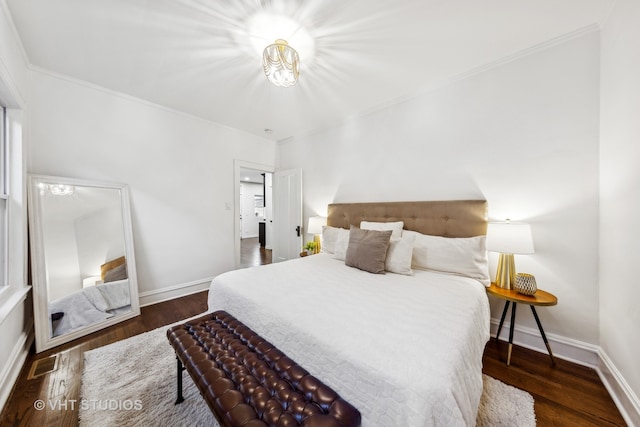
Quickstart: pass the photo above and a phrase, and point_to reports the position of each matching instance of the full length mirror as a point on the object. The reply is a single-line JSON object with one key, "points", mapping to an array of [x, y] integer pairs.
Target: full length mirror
{"points": [[83, 263]]}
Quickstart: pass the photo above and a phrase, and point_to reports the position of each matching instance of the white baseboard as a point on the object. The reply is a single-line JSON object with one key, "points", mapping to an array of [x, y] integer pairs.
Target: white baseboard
{"points": [[625, 399], [12, 368], [583, 354], [562, 347], [172, 292]]}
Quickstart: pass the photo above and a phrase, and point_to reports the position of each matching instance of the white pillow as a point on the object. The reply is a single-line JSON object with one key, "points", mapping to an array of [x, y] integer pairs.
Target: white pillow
{"points": [[329, 239], [395, 227], [466, 256], [342, 244], [399, 255]]}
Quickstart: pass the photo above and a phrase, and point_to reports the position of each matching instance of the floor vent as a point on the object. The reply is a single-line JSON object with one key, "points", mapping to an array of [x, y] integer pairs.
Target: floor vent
{"points": [[43, 366]]}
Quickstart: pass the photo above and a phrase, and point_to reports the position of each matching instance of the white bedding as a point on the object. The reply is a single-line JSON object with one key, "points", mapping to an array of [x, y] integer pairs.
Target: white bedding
{"points": [[90, 305], [404, 350]]}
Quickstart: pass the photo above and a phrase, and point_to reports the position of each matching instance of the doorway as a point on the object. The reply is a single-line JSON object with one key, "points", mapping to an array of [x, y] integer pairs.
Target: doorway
{"points": [[253, 214]]}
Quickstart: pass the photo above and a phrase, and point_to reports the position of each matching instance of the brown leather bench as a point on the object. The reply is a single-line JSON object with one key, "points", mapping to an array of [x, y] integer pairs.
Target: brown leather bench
{"points": [[248, 382]]}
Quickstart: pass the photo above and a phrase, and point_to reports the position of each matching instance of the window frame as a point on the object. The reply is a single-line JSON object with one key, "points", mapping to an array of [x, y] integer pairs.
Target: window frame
{"points": [[4, 200]]}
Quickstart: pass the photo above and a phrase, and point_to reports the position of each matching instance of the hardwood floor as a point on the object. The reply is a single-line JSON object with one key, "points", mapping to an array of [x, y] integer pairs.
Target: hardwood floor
{"points": [[252, 254], [565, 394], [63, 384]]}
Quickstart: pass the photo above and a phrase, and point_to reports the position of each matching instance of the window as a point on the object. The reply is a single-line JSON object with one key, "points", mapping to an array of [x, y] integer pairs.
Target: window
{"points": [[4, 198]]}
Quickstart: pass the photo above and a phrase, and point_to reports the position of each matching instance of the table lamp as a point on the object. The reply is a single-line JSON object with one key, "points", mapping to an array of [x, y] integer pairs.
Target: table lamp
{"points": [[508, 238], [315, 227]]}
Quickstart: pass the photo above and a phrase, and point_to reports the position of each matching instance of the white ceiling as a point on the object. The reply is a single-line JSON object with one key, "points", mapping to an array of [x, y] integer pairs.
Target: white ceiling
{"points": [[196, 55]]}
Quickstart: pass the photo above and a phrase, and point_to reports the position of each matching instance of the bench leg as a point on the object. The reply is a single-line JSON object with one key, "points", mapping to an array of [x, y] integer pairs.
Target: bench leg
{"points": [[180, 398]]}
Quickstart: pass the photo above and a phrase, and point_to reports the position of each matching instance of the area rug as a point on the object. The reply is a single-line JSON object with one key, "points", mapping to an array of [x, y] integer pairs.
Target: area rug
{"points": [[132, 383]]}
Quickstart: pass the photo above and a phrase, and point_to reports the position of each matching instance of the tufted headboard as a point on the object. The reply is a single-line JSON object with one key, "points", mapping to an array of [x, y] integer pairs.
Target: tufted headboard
{"points": [[448, 218]]}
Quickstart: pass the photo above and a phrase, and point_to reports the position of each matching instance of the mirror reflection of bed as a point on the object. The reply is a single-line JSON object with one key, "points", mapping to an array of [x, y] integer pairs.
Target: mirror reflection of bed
{"points": [[100, 298], [83, 259]]}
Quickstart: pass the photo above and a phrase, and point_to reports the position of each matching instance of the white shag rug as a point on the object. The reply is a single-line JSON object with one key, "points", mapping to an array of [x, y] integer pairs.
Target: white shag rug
{"points": [[133, 383]]}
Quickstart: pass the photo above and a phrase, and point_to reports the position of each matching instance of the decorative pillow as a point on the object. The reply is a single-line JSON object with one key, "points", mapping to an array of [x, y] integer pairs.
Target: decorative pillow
{"points": [[117, 273], [367, 249], [329, 239], [399, 255], [396, 227], [342, 243], [466, 256]]}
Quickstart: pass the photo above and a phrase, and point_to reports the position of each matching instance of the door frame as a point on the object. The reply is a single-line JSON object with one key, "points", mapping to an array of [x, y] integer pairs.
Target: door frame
{"points": [[237, 165]]}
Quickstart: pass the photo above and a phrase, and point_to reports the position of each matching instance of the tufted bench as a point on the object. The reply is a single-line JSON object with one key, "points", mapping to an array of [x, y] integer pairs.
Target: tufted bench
{"points": [[248, 382]]}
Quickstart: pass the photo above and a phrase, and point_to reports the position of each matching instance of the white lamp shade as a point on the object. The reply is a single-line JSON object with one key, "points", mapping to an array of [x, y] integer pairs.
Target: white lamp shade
{"points": [[315, 224], [509, 238]]}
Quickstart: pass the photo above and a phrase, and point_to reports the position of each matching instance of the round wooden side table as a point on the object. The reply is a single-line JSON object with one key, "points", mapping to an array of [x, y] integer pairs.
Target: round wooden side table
{"points": [[540, 298]]}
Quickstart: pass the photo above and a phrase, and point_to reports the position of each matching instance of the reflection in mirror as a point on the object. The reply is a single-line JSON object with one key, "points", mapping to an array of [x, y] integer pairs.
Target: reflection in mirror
{"points": [[83, 261]]}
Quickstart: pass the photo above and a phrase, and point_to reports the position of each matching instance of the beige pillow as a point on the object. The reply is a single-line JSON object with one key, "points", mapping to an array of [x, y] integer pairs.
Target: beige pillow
{"points": [[367, 249]]}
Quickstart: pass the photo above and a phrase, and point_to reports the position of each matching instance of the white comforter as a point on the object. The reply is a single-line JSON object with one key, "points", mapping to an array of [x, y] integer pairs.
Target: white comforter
{"points": [[90, 305], [404, 350]]}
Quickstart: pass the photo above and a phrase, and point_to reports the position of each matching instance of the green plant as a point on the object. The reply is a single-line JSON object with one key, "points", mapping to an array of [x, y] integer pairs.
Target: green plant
{"points": [[310, 246]]}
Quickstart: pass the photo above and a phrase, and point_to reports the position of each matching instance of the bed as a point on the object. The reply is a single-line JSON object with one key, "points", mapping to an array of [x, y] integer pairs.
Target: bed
{"points": [[91, 304], [405, 349]]}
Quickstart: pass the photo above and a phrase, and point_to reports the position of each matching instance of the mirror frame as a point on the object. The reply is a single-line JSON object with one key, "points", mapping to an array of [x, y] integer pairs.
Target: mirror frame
{"points": [[44, 340]]}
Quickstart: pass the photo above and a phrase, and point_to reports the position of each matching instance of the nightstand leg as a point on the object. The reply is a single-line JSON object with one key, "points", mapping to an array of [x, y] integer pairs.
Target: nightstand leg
{"points": [[504, 314], [513, 322], [544, 337]]}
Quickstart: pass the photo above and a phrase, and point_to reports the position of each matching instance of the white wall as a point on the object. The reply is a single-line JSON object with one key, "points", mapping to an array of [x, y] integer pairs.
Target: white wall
{"points": [[620, 194], [100, 238], [15, 302], [63, 267], [179, 169], [13, 66], [523, 136]]}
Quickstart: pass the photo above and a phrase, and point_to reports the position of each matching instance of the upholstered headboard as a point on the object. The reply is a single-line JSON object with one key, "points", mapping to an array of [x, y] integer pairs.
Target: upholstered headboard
{"points": [[449, 218]]}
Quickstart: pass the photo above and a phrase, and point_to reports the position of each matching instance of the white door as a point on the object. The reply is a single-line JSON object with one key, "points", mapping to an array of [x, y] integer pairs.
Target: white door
{"points": [[287, 214]]}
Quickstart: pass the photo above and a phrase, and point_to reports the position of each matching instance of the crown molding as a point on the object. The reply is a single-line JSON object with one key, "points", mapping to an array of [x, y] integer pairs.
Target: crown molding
{"points": [[134, 99]]}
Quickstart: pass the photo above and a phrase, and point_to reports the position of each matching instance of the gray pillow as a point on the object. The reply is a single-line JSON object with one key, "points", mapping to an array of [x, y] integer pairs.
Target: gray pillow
{"points": [[367, 249], [117, 273]]}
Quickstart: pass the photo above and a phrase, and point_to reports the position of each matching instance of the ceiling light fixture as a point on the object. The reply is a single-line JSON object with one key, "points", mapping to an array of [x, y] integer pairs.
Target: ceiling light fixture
{"points": [[61, 189], [281, 64]]}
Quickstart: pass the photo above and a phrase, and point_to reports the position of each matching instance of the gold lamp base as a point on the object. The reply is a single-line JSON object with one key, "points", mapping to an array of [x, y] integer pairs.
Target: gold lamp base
{"points": [[506, 274], [316, 239]]}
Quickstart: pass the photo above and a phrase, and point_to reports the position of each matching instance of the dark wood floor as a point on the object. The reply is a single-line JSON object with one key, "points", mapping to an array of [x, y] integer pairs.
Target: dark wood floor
{"points": [[252, 254], [63, 384], [565, 394]]}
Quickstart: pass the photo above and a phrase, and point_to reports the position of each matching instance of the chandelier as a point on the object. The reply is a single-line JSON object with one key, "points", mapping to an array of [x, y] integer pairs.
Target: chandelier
{"points": [[281, 64], [61, 189]]}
